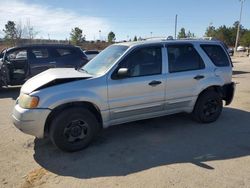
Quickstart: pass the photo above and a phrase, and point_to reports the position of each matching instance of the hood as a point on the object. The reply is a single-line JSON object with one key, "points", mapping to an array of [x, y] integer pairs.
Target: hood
{"points": [[53, 77]]}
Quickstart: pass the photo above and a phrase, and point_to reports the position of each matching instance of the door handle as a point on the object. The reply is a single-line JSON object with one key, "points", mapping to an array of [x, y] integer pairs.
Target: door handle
{"points": [[154, 83], [52, 62], [199, 77]]}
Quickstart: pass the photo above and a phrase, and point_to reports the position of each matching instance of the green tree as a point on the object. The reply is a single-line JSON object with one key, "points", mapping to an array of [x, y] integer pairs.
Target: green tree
{"points": [[190, 35], [225, 34], [76, 36], [182, 33], [10, 32], [210, 31], [111, 36], [135, 38], [245, 40], [235, 25]]}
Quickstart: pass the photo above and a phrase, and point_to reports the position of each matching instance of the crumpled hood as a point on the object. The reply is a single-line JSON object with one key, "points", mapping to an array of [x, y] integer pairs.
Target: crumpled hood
{"points": [[52, 77]]}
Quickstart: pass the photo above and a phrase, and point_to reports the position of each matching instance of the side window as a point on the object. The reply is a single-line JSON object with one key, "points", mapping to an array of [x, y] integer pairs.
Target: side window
{"points": [[20, 54], [216, 54], [64, 51], [183, 58], [143, 62], [39, 53]]}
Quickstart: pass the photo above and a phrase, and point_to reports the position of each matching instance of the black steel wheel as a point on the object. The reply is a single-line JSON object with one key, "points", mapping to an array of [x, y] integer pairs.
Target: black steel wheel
{"points": [[73, 129], [208, 107]]}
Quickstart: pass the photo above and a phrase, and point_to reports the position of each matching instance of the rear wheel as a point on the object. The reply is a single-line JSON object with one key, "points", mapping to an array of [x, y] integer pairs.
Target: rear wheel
{"points": [[208, 107], [73, 129]]}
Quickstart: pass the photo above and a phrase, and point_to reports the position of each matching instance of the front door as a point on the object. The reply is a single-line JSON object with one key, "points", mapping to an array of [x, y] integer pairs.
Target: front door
{"points": [[141, 94], [17, 65]]}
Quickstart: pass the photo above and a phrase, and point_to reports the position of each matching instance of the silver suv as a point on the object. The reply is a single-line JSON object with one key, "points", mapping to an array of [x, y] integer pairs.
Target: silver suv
{"points": [[126, 82]]}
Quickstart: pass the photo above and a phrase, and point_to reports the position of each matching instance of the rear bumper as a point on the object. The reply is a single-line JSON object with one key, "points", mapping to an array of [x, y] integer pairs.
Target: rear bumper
{"points": [[30, 121], [228, 92]]}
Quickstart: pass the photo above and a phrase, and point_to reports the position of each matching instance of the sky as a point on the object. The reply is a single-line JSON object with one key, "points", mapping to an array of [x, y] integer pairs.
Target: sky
{"points": [[126, 18]]}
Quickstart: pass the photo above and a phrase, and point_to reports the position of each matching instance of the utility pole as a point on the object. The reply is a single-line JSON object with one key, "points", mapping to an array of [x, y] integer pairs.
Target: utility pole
{"points": [[100, 35], [175, 30], [238, 30]]}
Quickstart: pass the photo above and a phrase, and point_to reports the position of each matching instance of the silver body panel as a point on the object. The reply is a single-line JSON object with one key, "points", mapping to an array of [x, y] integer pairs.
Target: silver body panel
{"points": [[122, 100], [30, 121]]}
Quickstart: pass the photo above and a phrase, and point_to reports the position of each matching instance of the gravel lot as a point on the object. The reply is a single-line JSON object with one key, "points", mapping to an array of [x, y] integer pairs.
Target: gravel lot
{"points": [[171, 151]]}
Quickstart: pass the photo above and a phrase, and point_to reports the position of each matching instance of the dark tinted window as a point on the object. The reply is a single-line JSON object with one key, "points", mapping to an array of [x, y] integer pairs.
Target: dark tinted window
{"points": [[64, 51], [91, 52], [40, 53], [183, 58], [216, 54], [143, 62], [20, 54]]}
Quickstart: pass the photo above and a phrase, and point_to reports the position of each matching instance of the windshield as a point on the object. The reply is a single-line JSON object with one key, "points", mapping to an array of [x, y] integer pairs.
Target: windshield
{"points": [[102, 62]]}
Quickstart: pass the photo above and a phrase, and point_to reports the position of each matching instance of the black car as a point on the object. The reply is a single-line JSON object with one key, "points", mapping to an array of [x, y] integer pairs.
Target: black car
{"points": [[21, 63], [91, 53]]}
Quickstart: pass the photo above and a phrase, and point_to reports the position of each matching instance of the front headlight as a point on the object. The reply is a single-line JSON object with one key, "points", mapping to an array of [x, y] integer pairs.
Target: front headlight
{"points": [[27, 101]]}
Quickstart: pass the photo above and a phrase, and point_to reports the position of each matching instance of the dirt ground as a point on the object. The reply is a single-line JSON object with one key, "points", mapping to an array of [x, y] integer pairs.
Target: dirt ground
{"points": [[171, 151]]}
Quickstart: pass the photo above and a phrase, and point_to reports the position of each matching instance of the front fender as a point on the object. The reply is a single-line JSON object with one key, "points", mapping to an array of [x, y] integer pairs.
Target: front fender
{"points": [[58, 99], [90, 90]]}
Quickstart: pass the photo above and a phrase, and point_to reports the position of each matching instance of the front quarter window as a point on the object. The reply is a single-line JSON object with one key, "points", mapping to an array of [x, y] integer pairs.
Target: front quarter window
{"points": [[103, 61]]}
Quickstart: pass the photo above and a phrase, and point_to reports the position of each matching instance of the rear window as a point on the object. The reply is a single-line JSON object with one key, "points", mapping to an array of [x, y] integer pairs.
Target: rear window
{"points": [[217, 55], [91, 52]]}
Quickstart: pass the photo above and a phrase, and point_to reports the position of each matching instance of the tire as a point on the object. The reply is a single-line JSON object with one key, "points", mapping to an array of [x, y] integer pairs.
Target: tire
{"points": [[73, 129], [208, 107]]}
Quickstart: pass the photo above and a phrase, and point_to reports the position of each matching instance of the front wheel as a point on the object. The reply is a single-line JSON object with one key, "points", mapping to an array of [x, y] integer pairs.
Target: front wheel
{"points": [[208, 107], [73, 129]]}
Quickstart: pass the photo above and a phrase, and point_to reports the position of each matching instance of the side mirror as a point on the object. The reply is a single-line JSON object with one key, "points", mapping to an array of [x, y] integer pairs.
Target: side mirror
{"points": [[122, 73]]}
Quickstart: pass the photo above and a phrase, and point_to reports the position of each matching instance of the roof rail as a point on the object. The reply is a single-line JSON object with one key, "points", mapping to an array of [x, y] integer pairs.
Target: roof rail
{"points": [[200, 38], [160, 38], [171, 38], [155, 38]]}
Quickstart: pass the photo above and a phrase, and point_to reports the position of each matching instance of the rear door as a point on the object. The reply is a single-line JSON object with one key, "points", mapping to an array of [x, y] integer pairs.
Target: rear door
{"points": [[186, 70], [39, 60], [69, 57]]}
